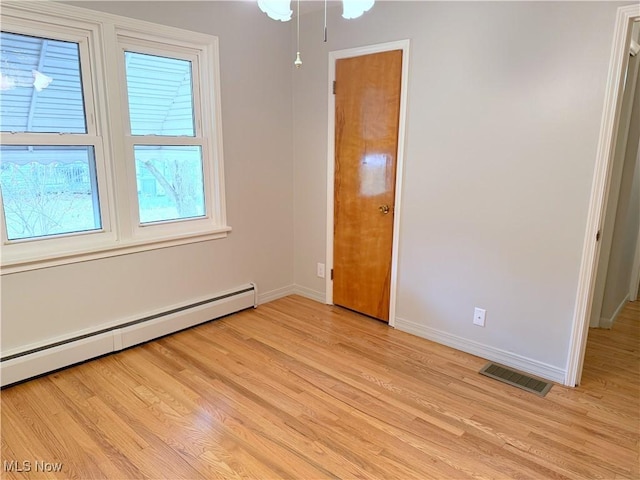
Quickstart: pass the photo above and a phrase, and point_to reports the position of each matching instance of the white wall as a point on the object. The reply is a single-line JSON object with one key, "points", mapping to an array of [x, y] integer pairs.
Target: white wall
{"points": [[505, 104], [256, 103]]}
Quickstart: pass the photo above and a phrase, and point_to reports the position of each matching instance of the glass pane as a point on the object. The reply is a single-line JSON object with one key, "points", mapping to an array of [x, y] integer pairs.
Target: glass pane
{"points": [[160, 95], [48, 190], [40, 85], [170, 182]]}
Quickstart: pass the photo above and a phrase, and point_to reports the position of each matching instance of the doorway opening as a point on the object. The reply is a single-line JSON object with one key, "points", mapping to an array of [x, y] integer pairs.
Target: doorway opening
{"points": [[625, 19], [614, 285]]}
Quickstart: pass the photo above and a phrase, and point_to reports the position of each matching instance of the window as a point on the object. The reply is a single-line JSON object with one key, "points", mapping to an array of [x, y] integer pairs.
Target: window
{"points": [[167, 144], [46, 189], [110, 136]]}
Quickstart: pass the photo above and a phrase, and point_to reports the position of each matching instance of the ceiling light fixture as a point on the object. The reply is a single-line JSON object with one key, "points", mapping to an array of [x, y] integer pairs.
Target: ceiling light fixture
{"points": [[281, 10], [277, 9], [355, 8]]}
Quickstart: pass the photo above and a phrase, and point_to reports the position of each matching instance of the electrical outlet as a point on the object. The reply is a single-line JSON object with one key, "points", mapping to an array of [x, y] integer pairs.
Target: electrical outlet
{"points": [[320, 270], [478, 316]]}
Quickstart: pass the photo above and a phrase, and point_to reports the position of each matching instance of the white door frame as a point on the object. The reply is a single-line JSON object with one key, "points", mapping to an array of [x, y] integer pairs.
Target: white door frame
{"points": [[610, 218], [635, 269], [356, 52], [604, 160]]}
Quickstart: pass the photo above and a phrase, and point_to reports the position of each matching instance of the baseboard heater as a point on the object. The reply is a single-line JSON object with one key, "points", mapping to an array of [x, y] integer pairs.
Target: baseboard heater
{"points": [[37, 360]]}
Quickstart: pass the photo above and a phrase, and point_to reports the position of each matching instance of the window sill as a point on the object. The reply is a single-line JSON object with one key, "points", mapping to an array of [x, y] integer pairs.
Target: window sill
{"points": [[11, 266]]}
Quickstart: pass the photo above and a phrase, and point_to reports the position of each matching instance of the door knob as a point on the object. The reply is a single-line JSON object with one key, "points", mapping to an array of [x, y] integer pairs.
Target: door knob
{"points": [[384, 209]]}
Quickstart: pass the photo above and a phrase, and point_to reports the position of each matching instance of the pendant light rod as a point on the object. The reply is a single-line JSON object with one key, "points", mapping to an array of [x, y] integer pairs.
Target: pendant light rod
{"points": [[325, 21], [298, 60], [298, 25]]}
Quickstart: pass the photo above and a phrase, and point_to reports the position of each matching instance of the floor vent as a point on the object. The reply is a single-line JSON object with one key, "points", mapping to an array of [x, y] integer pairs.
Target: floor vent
{"points": [[516, 379]]}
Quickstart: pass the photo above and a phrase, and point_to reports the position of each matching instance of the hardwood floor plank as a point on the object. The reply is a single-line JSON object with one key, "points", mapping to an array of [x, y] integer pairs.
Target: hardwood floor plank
{"points": [[271, 420], [297, 389]]}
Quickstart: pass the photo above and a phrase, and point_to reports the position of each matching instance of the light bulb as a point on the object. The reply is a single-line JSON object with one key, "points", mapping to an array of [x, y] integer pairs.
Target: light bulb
{"points": [[298, 62]]}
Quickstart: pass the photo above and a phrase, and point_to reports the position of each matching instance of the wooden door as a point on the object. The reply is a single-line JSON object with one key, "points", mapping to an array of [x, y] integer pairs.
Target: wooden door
{"points": [[367, 99]]}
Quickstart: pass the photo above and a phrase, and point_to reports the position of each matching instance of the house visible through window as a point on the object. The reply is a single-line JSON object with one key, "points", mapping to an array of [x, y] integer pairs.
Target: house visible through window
{"points": [[41, 85], [110, 144]]}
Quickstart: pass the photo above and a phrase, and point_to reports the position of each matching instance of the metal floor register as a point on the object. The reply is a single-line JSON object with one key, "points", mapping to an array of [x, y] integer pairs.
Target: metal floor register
{"points": [[516, 379]]}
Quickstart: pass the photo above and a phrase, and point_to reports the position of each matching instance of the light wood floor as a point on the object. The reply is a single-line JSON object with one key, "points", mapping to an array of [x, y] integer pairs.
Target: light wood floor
{"points": [[296, 389]]}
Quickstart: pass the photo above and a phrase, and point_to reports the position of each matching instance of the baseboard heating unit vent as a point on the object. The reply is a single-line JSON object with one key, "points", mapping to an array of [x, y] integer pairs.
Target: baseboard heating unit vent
{"points": [[58, 353], [516, 379]]}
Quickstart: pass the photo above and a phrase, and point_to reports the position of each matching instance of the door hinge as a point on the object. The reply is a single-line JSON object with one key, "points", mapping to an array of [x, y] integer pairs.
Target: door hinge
{"points": [[598, 236], [332, 274], [334, 87]]}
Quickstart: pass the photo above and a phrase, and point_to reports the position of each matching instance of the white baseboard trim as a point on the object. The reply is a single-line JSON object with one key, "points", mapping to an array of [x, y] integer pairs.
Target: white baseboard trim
{"points": [[17, 366], [509, 359], [291, 290], [608, 322], [276, 294], [309, 293]]}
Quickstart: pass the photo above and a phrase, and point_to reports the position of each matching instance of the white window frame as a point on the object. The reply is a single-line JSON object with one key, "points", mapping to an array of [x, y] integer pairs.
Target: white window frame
{"points": [[32, 250], [103, 39], [202, 112]]}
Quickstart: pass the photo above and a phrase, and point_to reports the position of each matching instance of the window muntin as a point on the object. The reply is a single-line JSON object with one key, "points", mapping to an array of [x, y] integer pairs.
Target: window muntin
{"points": [[40, 85]]}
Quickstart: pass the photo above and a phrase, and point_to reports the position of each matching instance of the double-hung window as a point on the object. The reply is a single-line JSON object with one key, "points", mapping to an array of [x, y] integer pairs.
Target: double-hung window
{"points": [[52, 166], [110, 136], [166, 141]]}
